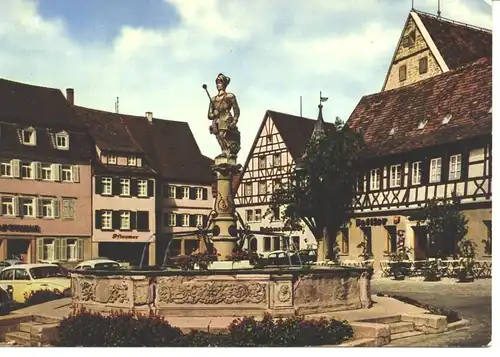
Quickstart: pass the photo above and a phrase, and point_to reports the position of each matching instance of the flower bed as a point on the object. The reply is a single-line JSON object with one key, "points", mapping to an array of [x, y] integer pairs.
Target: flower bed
{"points": [[134, 330]]}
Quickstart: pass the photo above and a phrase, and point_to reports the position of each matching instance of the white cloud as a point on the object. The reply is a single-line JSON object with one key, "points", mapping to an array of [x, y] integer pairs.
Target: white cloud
{"points": [[275, 51]]}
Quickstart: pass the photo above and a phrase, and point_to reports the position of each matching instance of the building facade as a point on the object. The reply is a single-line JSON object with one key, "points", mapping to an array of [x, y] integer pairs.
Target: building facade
{"points": [[280, 142], [45, 177], [123, 192]]}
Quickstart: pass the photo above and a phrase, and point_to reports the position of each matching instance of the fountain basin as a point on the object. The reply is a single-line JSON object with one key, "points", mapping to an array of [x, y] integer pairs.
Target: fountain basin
{"points": [[245, 292]]}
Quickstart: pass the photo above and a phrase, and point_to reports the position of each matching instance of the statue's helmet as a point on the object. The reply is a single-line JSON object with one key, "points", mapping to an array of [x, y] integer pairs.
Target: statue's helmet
{"points": [[223, 79]]}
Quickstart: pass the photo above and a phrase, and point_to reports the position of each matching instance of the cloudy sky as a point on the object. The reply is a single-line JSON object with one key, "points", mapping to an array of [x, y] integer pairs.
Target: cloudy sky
{"points": [[155, 54]]}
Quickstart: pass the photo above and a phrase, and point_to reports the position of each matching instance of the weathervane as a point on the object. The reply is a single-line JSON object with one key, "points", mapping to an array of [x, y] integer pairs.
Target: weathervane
{"points": [[322, 99]]}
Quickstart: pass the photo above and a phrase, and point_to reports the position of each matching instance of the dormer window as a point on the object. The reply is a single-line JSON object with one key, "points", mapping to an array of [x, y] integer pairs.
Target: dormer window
{"points": [[132, 161], [447, 119], [393, 130], [421, 125], [112, 159], [28, 136], [62, 140]]}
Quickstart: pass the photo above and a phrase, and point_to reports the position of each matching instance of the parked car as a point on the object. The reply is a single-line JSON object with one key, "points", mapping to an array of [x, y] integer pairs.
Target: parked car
{"points": [[98, 264], [10, 262], [33, 277]]}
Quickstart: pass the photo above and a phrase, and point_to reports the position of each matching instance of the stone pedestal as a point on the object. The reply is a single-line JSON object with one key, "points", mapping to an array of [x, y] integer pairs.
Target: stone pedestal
{"points": [[224, 226]]}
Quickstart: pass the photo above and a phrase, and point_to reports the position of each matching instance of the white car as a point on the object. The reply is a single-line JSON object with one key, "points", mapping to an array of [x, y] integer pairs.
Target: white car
{"points": [[98, 264]]}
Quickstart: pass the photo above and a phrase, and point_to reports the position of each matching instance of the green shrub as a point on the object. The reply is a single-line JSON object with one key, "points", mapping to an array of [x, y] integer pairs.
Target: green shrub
{"points": [[41, 296], [133, 330]]}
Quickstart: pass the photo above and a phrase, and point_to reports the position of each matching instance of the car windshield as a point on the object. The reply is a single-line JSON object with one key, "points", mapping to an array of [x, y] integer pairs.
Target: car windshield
{"points": [[106, 265], [46, 272]]}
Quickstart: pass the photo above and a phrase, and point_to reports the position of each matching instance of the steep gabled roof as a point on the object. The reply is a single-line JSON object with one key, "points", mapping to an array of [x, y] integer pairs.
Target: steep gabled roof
{"points": [[465, 94], [108, 131], [37, 106], [296, 131], [458, 43], [171, 148]]}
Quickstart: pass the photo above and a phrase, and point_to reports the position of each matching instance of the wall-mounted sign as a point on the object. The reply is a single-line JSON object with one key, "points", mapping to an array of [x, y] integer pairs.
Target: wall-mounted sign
{"points": [[396, 219], [280, 229], [123, 236], [371, 222], [20, 228]]}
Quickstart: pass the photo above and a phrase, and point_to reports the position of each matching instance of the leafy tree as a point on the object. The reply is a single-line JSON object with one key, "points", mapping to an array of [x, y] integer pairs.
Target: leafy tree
{"points": [[446, 226], [320, 192]]}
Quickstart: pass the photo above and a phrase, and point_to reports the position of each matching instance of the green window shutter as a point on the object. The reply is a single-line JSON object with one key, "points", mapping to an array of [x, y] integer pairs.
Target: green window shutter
{"points": [[80, 249], [39, 249], [57, 207], [63, 255], [57, 249], [39, 207]]}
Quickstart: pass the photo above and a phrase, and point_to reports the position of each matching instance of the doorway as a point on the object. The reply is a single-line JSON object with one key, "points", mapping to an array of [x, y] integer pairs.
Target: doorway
{"points": [[421, 243], [253, 244], [19, 248]]}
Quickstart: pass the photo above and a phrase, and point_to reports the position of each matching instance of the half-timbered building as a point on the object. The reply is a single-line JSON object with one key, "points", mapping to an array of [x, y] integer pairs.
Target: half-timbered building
{"points": [[279, 143], [424, 140]]}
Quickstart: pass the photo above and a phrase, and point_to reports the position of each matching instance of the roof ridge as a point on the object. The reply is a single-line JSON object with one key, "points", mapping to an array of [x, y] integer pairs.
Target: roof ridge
{"points": [[291, 115], [30, 85], [454, 22]]}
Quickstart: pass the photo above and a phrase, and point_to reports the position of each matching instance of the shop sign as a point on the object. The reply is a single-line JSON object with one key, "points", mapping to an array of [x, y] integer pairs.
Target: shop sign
{"points": [[371, 222], [280, 229], [123, 236], [396, 219], [20, 228]]}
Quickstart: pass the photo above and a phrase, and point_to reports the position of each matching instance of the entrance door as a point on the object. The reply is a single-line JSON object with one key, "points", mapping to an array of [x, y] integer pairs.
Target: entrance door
{"points": [[18, 248], [253, 244], [420, 243]]}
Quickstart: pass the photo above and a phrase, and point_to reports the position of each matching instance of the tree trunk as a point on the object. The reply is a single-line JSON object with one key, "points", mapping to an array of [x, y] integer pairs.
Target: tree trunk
{"points": [[323, 246]]}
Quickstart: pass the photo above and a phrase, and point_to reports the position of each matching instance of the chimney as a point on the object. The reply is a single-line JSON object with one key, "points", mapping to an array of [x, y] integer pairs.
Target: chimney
{"points": [[70, 96], [149, 117]]}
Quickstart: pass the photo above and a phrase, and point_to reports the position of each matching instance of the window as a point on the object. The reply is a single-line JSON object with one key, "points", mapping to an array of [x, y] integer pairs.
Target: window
{"points": [[344, 235], [107, 185], [416, 173], [171, 191], [262, 188], [125, 187], [269, 139], [6, 169], [267, 244], [446, 119], [49, 249], [391, 240], [435, 170], [172, 219], [249, 215], [402, 73], [7, 206], [409, 40], [68, 208], [142, 188], [47, 207], [26, 170], [28, 136], [199, 220], [106, 219], [262, 162], [422, 124], [132, 161], [276, 213], [276, 160], [375, 179], [67, 173], [487, 241], [296, 242], [47, 172], [199, 193], [395, 175], [185, 192], [393, 130], [62, 141], [277, 184], [125, 220], [367, 239], [422, 65], [112, 159], [185, 220], [72, 250], [248, 189], [276, 243], [455, 167], [258, 215], [28, 207]]}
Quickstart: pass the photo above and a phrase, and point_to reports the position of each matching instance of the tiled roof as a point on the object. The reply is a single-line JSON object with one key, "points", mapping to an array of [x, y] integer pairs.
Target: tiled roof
{"points": [[465, 94], [171, 148], [458, 43], [36, 106], [296, 131], [107, 130]]}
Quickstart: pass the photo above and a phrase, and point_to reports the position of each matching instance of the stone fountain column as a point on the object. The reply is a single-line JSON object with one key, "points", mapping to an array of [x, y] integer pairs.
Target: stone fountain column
{"points": [[225, 224]]}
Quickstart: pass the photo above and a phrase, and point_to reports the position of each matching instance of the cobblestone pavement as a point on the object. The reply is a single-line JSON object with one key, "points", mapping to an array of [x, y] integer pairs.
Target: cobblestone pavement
{"points": [[472, 300]]}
